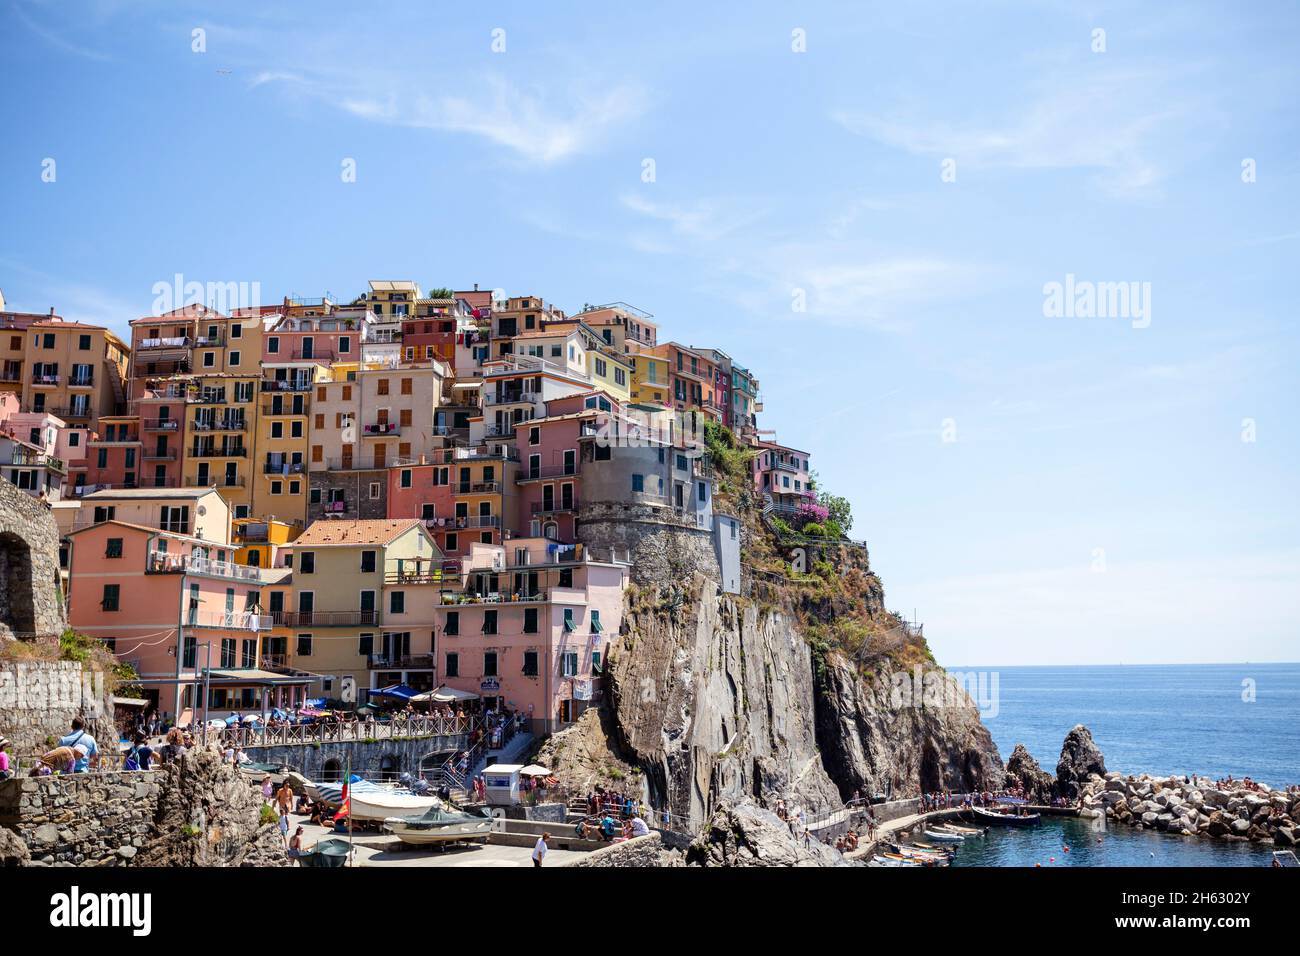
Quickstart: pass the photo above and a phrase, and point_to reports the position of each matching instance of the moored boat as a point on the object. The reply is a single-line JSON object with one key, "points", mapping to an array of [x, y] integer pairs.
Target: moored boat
{"points": [[1004, 819], [378, 805], [940, 837]]}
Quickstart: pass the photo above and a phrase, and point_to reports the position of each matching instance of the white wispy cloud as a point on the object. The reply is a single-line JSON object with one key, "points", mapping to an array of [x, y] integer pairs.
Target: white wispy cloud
{"points": [[57, 40], [1111, 123]]}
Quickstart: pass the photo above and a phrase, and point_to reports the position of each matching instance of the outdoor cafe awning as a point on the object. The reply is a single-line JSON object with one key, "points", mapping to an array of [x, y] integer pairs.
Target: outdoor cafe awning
{"points": [[398, 691], [443, 695]]}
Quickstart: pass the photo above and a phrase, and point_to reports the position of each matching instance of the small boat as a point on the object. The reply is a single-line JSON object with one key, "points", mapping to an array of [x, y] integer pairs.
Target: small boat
{"points": [[940, 837], [1285, 858], [379, 805], [893, 859], [331, 794], [326, 853], [277, 772], [963, 831], [1004, 819], [440, 825]]}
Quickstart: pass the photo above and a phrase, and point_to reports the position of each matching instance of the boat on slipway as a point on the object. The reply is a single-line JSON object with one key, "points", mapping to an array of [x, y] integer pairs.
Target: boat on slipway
{"points": [[995, 818], [331, 794], [440, 824], [380, 805]]}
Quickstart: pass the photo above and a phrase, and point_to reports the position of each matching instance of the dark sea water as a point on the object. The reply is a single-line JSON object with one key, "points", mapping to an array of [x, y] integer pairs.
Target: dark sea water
{"points": [[1157, 719]]}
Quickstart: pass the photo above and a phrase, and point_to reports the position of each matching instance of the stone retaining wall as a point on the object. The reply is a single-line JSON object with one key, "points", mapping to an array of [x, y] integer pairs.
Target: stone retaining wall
{"points": [[85, 819], [364, 758], [663, 549], [38, 700]]}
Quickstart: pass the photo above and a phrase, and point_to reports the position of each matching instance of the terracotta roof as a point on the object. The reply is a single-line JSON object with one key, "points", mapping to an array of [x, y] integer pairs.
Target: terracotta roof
{"points": [[330, 531]]}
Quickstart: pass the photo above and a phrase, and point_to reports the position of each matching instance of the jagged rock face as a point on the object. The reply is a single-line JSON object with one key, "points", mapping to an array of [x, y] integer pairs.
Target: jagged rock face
{"points": [[1024, 772], [870, 743], [714, 699], [746, 835], [209, 815], [1079, 758], [13, 851]]}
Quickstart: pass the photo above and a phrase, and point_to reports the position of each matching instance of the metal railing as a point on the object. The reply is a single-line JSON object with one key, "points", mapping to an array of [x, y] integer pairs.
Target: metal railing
{"points": [[283, 468], [202, 451], [231, 620], [284, 385], [160, 424], [550, 471], [325, 618], [553, 507], [170, 562], [282, 734]]}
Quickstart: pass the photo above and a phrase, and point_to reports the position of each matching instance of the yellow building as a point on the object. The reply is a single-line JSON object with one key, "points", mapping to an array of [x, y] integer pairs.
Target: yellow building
{"points": [[219, 432], [257, 542], [484, 499], [650, 380], [282, 442], [74, 371], [350, 580], [390, 299]]}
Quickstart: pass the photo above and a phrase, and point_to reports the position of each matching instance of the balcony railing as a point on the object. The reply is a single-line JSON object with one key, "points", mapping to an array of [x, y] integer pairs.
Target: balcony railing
{"points": [[283, 468], [210, 341], [284, 408], [219, 425], [554, 507], [463, 522], [410, 662], [284, 385], [45, 378], [307, 355], [161, 562], [183, 342], [160, 424], [81, 381], [234, 620], [334, 507], [383, 428], [326, 618], [550, 471], [496, 597], [158, 454], [24, 459], [475, 487], [218, 451], [208, 398], [423, 576], [251, 532], [214, 481]]}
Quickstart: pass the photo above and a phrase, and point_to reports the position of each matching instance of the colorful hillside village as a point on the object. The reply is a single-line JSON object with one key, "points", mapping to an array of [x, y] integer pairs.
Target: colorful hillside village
{"points": [[323, 500]]}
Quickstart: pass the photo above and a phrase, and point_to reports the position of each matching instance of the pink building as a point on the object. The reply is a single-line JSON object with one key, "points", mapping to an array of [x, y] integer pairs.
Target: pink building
{"points": [[181, 611], [529, 627], [550, 480], [783, 473]]}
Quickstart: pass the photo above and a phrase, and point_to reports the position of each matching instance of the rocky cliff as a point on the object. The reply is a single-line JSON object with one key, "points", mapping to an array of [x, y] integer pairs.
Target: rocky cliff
{"points": [[716, 699]]}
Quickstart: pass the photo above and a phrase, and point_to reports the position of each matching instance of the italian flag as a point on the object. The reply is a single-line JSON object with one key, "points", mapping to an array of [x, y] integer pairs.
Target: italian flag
{"points": [[346, 806]]}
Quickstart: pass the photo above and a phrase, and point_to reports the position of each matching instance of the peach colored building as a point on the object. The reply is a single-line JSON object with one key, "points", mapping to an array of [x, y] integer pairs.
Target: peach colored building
{"points": [[527, 625]]}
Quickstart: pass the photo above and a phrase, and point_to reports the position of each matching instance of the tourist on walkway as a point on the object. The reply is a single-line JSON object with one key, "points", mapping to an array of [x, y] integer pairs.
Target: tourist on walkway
{"points": [[639, 827], [284, 827], [539, 850], [174, 749], [284, 797], [295, 846], [5, 772], [268, 789], [81, 742], [140, 756]]}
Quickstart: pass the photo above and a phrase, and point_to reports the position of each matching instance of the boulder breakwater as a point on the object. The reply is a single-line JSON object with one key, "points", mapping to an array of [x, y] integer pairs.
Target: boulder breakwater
{"points": [[1199, 806]]}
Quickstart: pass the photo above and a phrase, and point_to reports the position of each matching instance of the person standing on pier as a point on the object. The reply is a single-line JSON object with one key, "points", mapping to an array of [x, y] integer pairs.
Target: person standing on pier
{"points": [[539, 851]]}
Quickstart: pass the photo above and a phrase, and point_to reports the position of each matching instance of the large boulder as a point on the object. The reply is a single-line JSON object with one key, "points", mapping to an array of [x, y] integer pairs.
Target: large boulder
{"points": [[744, 834], [13, 851], [1079, 759], [1024, 772]]}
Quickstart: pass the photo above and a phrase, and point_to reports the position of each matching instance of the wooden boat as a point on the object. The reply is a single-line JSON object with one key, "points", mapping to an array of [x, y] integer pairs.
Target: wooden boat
{"points": [[1285, 858], [960, 830], [1003, 819], [440, 825]]}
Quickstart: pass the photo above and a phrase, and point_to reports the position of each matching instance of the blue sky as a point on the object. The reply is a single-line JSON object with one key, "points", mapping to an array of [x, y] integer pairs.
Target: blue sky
{"points": [[1098, 503]]}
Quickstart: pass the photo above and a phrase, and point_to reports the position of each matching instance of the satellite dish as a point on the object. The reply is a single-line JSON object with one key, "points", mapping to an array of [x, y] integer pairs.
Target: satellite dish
{"points": [[202, 510]]}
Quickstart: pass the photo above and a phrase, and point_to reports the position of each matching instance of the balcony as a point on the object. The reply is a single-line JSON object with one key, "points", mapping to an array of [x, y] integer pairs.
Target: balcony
{"points": [[554, 507], [785, 466], [81, 381], [416, 662], [45, 378], [209, 398], [22, 458], [252, 532], [517, 597], [378, 429], [326, 619], [225, 451], [158, 454], [284, 385], [160, 424], [318, 355], [283, 468], [476, 488], [214, 481], [334, 507], [229, 620], [219, 425], [67, 412], [272, 409], [163, 345], [414, 576], [463, 522], [11, 376], [210, 341], [548, 472]]}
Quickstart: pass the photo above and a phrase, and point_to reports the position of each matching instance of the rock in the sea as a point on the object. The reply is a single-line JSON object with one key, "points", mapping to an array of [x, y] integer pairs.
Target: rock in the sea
{"points": [[13, 851], [1024, 772], [1079, 758], [744, 834]]}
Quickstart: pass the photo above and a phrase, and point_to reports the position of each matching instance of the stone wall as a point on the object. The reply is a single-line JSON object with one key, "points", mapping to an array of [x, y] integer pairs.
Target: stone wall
{"points": [[85, 819], [356, 490], [663, 547], [38, 699], [642, 851], [31, 601]]}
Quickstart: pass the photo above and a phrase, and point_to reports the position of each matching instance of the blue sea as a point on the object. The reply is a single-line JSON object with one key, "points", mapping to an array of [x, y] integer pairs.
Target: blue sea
{"points": [[1158, 719]]}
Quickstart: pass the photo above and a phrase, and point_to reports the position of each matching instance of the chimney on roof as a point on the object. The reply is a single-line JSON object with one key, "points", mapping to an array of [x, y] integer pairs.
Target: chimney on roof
{"points": [[51, 312], [475, 286]]}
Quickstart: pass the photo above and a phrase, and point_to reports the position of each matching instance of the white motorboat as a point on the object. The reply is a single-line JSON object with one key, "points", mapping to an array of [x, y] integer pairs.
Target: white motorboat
{"points": [[380, 805], [939, 837], [440, 825]]}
